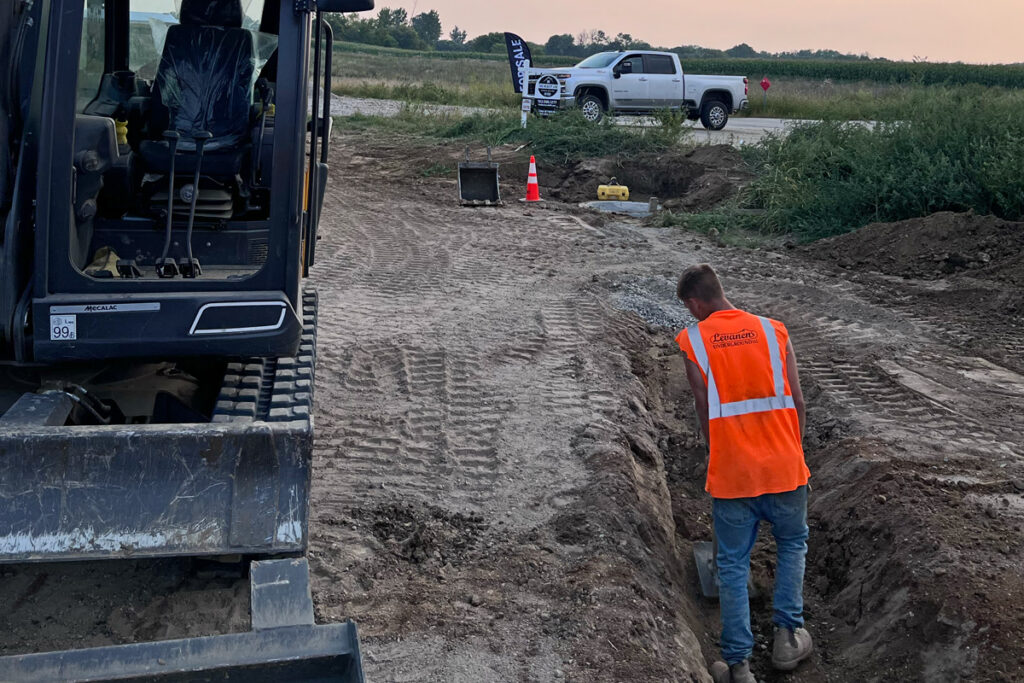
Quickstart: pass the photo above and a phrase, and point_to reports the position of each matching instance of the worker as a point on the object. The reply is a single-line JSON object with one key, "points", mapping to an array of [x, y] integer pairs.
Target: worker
{"points": [[742, 370]]}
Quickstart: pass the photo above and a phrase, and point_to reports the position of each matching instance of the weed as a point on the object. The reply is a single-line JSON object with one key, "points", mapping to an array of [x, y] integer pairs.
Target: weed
{"points": [[732, 224], [964, 152], [438, 170], [563, 138], [568, 137]]}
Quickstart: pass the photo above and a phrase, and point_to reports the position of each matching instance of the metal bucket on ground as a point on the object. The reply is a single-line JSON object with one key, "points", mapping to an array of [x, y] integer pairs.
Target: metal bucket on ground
{"points": [[478, 182]]}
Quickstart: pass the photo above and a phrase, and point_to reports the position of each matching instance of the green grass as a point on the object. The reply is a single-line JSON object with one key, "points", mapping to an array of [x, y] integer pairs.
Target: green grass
{"points": [[423, 77], [565, 138], [478, 94], [962, 152], [438, 170], [477, 80], [733, 226], [803, 99]]}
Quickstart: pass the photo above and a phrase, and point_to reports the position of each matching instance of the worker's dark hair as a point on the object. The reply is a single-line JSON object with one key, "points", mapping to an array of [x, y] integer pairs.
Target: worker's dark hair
{"points": [[699, 282]]}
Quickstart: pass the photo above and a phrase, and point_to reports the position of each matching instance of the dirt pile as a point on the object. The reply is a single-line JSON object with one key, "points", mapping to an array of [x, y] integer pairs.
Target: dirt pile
{"points": [[934, 247], [690, 180]]}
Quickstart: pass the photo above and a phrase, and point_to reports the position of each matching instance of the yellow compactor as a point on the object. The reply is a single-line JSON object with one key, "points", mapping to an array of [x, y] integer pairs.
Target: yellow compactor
{"points": [[613, 192]]}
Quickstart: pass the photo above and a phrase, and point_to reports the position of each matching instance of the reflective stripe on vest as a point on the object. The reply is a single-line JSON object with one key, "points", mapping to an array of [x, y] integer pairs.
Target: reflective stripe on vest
{"points": [[716, 409]]}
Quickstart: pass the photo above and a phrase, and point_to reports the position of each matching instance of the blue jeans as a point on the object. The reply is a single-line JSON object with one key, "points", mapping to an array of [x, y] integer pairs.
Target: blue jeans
{"points": [[736, 522]]}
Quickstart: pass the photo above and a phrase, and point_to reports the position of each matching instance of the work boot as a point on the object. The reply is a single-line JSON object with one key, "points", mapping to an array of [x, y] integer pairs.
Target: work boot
{"points": [[792, 646], [737, 673]]}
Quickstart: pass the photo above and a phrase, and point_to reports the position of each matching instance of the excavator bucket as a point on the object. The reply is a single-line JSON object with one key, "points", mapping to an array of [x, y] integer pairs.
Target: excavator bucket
{"points": [[120, 491], [284, 645], [478, 182]]}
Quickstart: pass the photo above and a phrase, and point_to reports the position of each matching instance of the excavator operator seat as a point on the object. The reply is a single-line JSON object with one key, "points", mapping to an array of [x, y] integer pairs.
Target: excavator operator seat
{"points": [[204, 83]]}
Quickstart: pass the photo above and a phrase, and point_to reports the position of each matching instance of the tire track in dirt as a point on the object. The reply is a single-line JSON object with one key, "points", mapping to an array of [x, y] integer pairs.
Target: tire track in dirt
{"points": [[456, 506], [491, 479]]}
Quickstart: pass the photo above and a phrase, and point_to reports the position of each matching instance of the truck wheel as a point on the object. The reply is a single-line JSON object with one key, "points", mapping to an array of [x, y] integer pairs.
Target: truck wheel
{"points": [[592, 108], [714, 115]]}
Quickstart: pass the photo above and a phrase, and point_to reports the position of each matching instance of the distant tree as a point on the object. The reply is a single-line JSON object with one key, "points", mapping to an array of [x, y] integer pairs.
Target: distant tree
{"points": [[428, 27], [388, 18], [697, 52], [742, 51], [393, 28], [488, 42], [591, 39], [624, 41], [563, 44], [458, 36], [389, 29], [407, 39]]}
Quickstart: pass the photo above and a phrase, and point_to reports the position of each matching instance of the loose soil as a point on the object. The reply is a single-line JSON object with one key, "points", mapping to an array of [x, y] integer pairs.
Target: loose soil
{"points": [[691, 180], [935, 247], [508, 481]]}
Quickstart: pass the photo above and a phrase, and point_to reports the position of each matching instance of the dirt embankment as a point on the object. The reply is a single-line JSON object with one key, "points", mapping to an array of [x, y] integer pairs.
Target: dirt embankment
{"points": [[964, 269], [686, 180], [693, 180], [938, 246]]}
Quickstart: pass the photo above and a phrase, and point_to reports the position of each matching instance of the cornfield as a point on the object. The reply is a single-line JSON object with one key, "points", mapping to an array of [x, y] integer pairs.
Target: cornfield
{"points": [[917, 73]]}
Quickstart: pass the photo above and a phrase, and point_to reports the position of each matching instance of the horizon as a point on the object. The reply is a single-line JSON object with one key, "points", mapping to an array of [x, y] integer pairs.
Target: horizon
{"points": [[913, 30]]}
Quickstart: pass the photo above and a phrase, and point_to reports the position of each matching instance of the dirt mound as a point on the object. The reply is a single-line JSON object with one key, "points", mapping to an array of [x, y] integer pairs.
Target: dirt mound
{"points": [[934, 247], [694, 180], [415, 534]]}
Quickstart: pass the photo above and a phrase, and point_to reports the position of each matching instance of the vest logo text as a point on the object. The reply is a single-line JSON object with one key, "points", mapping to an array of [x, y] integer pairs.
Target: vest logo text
{"points": [[724, 340]]}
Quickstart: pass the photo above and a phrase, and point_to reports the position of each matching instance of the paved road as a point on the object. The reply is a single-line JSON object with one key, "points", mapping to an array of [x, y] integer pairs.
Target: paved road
{"points": [[739, 131]]}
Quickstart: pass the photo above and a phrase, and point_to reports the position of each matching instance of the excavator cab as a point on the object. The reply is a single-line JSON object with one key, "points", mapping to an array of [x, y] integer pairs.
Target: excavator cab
{"points": [[161, 180], [176, 180]]}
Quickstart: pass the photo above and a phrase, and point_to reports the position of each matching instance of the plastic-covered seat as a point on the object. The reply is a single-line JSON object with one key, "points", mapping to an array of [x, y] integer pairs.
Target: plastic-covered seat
{"points": [[204, 83]]}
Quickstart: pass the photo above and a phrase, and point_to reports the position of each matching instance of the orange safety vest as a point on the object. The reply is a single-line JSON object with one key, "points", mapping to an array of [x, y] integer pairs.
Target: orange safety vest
{"points": [[755, 430]]}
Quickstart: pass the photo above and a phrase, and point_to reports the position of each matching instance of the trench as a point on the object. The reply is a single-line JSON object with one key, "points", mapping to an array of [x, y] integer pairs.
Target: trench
{"points": [[871, 608]]}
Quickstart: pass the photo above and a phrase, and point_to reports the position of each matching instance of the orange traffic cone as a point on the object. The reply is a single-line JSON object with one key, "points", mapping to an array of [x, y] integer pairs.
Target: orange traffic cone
{"points": [[532, 188]]}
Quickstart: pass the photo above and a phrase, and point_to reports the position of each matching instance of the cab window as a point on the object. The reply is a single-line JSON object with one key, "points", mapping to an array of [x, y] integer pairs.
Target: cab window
{"points": [[634, 61], [149, 21], [91, 59], [147, 30], [659, 64]]}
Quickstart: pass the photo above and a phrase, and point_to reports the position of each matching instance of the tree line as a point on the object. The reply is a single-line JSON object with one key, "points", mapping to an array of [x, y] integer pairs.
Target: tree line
{"points": [[395, 28]]}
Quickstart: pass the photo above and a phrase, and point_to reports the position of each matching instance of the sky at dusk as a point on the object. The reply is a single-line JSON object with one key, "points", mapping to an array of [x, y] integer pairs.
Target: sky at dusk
{"points": [[982, 31]]}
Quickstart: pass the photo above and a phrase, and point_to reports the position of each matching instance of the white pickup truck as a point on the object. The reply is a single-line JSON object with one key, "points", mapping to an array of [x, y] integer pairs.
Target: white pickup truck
{"points": [[638, 82]]}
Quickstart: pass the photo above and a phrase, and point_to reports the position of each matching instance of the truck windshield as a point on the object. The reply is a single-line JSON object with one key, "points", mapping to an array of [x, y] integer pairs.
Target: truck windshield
{"points": [[598, 61]]}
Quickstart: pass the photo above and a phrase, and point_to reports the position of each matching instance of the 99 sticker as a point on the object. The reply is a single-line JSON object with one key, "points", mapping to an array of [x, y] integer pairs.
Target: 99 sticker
{"points": [[63, 327]]}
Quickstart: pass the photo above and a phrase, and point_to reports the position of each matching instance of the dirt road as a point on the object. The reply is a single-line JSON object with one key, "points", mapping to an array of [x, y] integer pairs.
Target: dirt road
{"points": [[507, 478]]}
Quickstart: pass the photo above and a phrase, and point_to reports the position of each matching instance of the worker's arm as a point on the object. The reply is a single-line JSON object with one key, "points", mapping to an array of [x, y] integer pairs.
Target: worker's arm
{"points": [[794, 384], [700, 396]]}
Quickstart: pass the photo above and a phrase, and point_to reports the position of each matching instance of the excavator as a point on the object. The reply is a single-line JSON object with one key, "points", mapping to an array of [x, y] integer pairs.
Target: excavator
{"points": [[161, 183]]}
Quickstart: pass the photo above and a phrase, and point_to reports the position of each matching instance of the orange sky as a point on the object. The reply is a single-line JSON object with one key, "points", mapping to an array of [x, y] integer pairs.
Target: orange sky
{"points": [[984, 31]]}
